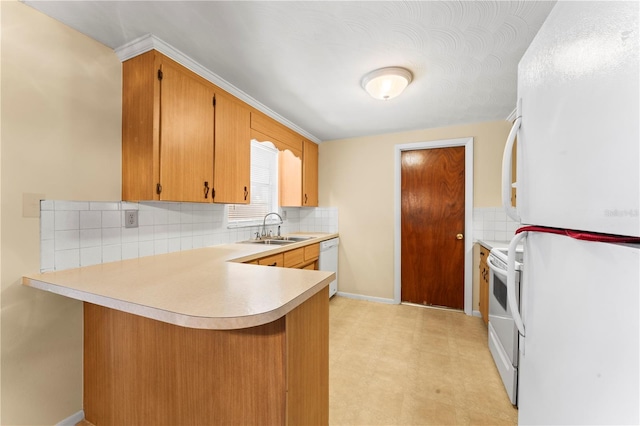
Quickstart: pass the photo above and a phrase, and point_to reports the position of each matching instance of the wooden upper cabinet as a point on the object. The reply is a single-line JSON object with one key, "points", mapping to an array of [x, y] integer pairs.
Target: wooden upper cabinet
{"points": [[267, 129], [140, 127], [167, 131], [186, 132], [309, 174], [232, 158], [182, 136], [185, 139], [290, 178]]}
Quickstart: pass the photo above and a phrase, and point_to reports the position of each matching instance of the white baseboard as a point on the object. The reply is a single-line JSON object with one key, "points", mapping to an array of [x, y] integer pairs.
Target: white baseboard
{"points": [[367, 298], [477, 314], [73, 419]]}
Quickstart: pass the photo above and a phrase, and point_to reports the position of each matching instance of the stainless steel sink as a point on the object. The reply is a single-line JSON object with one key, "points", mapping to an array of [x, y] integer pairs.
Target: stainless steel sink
{"points": [[296, 239], [279, 241], [270, 242]]}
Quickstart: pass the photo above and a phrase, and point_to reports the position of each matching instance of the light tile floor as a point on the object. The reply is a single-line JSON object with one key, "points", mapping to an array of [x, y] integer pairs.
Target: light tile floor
{"points": [[408, 365]]}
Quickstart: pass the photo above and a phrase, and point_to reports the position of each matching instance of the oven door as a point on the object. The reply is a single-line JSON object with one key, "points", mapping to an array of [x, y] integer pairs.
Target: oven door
{"points": [[503, 333], [499, 312]]}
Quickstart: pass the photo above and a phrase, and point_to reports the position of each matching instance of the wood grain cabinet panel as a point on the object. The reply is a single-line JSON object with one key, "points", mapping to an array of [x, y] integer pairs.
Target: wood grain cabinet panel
{"points": [[303, 258], [269, 129], [293, 258], [141, 127], [311, 252], [484, 283], [183, 137], [309, 174], [232, 159], [141, 371], [274, 260], [290, 178], [186, 129]]}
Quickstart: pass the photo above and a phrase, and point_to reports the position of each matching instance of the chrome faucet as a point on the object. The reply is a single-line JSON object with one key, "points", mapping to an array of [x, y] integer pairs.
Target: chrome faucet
{"points": [[264, 223]]}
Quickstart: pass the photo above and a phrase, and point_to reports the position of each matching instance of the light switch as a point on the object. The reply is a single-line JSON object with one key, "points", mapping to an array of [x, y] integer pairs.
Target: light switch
{"points": [[31, 204]]}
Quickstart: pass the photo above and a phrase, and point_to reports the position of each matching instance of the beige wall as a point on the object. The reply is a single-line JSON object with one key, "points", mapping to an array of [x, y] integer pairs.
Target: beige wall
{"points": [[357, 176], [61, 136]]}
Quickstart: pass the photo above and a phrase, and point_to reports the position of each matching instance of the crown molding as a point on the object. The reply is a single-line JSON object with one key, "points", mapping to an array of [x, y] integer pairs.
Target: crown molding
{"points": [[150, 42]]}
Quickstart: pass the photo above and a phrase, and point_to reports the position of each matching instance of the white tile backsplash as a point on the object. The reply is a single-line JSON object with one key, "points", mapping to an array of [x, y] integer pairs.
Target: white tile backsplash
{"points": [[111, 219], [492, 223], [90, 238], [80, 233], [90, 219], [64, 220]]}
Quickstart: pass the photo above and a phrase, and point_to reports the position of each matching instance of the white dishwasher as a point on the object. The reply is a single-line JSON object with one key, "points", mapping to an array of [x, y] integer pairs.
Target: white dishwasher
{"points": [[329, 261]]}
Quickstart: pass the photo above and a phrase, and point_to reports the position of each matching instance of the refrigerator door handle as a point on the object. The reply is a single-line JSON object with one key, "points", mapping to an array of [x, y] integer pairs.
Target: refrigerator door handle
{"points": [[511, 211], [511, 282]]}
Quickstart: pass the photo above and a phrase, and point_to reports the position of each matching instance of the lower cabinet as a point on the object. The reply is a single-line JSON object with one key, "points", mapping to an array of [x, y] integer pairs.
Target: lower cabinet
{"points": [[484, 284], [274, 260], [301, 258], [142, 371]]}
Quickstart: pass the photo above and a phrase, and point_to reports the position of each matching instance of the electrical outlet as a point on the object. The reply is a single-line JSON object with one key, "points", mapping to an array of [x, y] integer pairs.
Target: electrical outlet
{"points": [[131, 218]]}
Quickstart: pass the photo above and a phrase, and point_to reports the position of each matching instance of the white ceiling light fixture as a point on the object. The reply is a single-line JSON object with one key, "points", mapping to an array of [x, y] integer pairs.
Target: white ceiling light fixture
{"points": [[386, 83]]}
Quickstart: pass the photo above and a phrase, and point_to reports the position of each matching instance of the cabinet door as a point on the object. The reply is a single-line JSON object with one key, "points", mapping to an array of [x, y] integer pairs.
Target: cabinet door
{"points": [[309, 174], [484, 284], [290, 178], [274, 260], [232, 157], [186, 136], [140, 129]]}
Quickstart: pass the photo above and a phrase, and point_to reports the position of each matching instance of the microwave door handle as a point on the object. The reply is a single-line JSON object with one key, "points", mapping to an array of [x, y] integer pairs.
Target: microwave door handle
{"points": [[511, 211], [496, 269], [511, 282]]}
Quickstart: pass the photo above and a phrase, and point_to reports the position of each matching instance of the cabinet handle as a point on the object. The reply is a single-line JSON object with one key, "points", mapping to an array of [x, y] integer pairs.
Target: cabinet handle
{"points": [[206, 190], [305, 198], [246, 193], [273, 264]]}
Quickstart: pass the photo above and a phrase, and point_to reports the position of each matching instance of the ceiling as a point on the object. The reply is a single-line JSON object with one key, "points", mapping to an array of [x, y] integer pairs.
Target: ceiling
{"points": [[305, 60]]}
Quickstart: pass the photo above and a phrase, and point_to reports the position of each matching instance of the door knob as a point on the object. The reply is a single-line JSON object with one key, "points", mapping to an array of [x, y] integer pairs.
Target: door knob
{"points": [[459, 236]]}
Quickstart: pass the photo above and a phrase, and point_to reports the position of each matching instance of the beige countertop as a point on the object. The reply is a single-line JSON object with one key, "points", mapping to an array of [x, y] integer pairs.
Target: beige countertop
{"points": [[203, 288], [493, 244]]}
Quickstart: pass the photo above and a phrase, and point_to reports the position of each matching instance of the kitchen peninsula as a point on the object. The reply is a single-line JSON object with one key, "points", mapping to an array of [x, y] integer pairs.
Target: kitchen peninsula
{"points": [[201, 337]]}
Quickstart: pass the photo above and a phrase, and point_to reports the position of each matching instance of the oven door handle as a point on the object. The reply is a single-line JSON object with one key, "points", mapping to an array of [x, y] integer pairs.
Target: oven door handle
{"points": [[511, 282], [496, 269]]}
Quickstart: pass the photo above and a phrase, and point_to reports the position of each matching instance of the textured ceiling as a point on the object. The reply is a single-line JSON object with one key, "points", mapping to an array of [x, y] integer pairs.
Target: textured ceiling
{"points": [[305, 60]]}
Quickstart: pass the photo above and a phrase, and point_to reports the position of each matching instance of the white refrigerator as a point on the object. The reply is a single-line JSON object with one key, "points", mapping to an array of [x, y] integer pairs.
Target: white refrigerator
{"points": [[578, 169]]}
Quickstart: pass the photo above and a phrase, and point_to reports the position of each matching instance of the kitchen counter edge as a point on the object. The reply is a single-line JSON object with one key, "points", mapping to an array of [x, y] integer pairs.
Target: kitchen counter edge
{"points": [[66, 283]]}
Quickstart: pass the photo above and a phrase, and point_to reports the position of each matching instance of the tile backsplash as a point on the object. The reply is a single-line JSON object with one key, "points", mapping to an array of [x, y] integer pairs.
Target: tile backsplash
{"points": [[492, 223], [83, 233]]}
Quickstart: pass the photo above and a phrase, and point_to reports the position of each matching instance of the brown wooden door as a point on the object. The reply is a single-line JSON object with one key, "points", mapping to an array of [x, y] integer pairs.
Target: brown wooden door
{"points": [[186, 136], [432, 212]]}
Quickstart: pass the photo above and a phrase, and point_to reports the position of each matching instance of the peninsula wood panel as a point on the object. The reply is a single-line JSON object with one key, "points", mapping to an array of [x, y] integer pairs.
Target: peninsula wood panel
{"points": [[140, 127], [141, 371], [308, 362]]}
